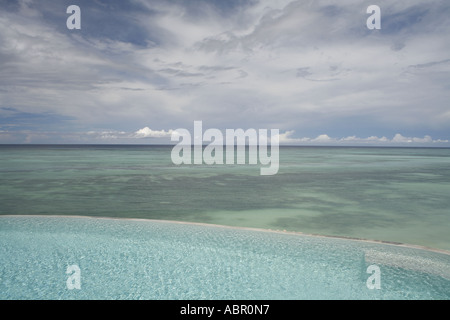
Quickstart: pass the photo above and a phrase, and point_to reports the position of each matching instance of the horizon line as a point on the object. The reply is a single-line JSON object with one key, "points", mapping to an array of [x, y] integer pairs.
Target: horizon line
{"points": [[400, 145]]}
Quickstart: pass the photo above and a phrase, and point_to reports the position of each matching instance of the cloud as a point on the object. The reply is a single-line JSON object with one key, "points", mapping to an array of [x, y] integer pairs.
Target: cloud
{"points": [[324, 139], [164, 137], [398, 138], [309, 66], [149, 133]]}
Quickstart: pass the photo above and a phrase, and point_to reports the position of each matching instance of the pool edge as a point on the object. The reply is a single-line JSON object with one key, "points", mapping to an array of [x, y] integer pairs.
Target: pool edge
{"points": [[384, 242]]}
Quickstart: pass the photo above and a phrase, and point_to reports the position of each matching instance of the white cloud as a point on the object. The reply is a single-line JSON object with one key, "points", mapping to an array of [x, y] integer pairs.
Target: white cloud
{"points": [[286, 138], [324, 139], [149, 133], [398, 138], [164, 137]]}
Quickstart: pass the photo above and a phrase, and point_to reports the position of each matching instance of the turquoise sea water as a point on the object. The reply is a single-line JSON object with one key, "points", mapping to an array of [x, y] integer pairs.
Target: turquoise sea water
{"points": [[390, 194]]}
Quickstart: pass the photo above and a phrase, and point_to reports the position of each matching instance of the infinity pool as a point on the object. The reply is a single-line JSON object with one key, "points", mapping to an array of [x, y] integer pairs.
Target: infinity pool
{"points": [[146, 259]]}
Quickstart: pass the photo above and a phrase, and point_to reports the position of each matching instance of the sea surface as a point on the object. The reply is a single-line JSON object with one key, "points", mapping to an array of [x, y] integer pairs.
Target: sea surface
{"points": [[387, 194]]}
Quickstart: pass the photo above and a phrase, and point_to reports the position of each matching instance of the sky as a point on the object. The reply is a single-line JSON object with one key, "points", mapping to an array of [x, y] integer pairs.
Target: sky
{"points": [[139, 69]]}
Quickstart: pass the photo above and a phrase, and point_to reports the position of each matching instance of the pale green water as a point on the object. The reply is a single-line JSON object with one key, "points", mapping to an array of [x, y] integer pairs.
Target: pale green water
{"points": [[391, 194]]}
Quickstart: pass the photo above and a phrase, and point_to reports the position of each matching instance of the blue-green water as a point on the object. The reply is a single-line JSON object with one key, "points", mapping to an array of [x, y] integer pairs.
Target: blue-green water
{"points": [[390, 194]]}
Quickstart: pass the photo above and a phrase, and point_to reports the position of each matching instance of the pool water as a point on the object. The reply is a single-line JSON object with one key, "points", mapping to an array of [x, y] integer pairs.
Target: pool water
{"points": [[148, 259]]}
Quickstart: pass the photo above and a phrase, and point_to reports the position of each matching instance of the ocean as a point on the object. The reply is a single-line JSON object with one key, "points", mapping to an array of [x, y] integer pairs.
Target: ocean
{"points": [[385, 194]]}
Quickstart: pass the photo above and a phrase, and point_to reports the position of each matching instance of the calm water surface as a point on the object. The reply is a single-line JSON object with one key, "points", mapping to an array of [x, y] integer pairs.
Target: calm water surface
{"points": [[390, 194]]}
